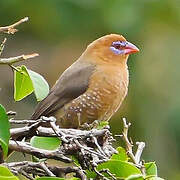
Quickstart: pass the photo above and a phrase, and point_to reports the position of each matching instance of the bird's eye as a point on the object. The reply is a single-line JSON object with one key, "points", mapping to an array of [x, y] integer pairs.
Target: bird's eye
{"points": [[118, 47], [119, 44]]}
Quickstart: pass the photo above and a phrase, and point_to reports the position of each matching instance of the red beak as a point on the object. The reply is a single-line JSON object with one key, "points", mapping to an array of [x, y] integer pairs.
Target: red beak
{"points": [[130, 48]]}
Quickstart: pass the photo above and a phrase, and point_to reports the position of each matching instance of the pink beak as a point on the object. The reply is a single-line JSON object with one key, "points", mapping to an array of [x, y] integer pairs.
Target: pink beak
{"points": [[130, 48]]}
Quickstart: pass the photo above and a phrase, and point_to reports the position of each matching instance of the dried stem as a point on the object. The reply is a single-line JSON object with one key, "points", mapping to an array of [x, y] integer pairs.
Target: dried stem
{"points": [[89, 147], [11, 28], [141, 146], [129, 147], [2, 45], [16, 59], [40, 153], [42, 169]]}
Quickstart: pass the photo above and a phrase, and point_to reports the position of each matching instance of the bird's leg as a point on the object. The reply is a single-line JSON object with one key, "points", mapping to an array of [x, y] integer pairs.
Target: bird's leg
{"points": [[96, 124], [85, 126]]}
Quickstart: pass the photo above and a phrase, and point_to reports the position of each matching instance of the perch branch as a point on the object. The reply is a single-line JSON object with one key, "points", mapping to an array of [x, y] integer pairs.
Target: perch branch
{"points": [[12, 121], [91, 147], [11, 28], [40, 153]]}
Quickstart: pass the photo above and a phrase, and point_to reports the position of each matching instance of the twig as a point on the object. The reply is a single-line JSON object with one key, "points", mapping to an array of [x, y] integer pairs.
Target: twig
{"points": [[98, 146], [16, 59], [12, 121], [90, 150], [90, 147], [11, 113], [30, 130], [141, 146], [58, 133], [11, 28], [15, 68], [49, 173], [40, 153], [41, 169], [99, 174], [59, 170], [129, 147], [2, 45], [108, 172]]}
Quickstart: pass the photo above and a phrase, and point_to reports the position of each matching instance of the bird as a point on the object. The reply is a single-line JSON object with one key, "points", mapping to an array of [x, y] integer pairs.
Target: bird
{"points": [[93, 87]]}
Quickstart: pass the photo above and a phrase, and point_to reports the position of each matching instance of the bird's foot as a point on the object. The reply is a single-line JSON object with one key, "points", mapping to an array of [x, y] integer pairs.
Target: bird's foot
{"points": [[94, 125]]}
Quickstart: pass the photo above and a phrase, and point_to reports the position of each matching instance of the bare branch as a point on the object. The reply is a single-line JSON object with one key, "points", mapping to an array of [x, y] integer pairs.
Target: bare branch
{"points": [[11, 28], [58, 171], [41, 169], [16, 59], [40, 153], [141, 146], [129, 147], [11, 113], [12, 121], [90, 147]]}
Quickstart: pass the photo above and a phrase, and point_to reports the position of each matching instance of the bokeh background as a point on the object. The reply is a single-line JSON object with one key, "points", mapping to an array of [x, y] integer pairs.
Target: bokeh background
{"points": [[60, 30]]}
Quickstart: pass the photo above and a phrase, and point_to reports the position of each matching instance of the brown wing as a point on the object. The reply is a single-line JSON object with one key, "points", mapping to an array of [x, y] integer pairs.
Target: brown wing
{"points": [[72, 83]]}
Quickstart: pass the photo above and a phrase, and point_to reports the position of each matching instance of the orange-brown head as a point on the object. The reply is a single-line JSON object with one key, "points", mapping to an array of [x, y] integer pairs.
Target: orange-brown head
{"points": [[111, 48]]}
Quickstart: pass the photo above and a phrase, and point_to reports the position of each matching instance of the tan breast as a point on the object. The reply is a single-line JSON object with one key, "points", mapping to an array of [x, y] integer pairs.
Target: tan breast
{"points": [[107, 89], [109, 86]]}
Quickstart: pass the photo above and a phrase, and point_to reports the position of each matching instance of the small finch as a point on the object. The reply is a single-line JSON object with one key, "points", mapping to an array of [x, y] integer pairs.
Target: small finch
{"points": [[93, 87]]}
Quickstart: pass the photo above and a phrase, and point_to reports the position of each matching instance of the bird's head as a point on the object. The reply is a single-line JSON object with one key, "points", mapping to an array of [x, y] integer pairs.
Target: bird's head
{"points": [[111, 48]]}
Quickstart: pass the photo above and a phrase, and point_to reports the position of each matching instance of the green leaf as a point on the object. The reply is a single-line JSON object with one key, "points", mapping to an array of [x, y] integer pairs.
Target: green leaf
{"points": [[102, 124], [50, 178], [35, 159], [120, 169], [5, 174], [55, 178], [4, 130], [22, 83], [154, 178], [121, 154], [27, 81], [48, 143], [75, 160], [151, 168], [41, 87], [135, 177]]}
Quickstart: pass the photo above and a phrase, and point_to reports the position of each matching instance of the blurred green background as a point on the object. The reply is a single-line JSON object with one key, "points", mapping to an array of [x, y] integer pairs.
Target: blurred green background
{"points": [[60, 30]]}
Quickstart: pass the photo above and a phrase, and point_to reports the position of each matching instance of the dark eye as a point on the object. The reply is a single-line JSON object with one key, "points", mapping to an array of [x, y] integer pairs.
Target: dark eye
{"points": [[119, 45]]}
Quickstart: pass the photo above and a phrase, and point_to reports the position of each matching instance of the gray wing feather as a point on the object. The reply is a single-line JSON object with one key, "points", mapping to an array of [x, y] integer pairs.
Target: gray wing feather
{"points": [[72, 83]]}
